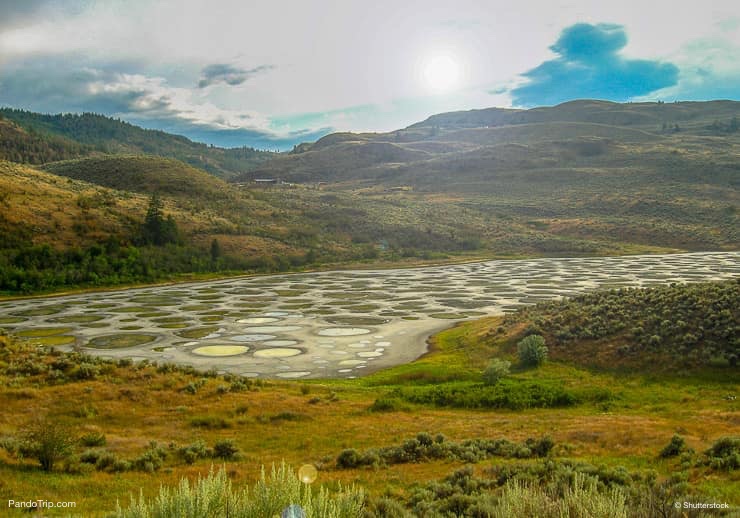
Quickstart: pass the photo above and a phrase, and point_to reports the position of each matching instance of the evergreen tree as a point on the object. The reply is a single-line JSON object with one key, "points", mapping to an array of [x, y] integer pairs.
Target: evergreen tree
{"points": [[215, 250], [157, 230]]}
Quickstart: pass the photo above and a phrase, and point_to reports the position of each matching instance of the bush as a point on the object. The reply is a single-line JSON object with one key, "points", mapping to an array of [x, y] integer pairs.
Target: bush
{"points": [[724, 454], [496, 370], [151, 460], [225, 449], [425, 448], [271, 496], [93, 439], [348, 459], [106, 461], [532, 351], [673, 448], [386, 404], [48, 442], [210, 421], [193, 452]]}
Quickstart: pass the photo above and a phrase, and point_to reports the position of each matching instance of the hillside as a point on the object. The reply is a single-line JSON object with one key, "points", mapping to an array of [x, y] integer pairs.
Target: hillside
{"points": [[664, 174], [669, 328], [555, 186], [586, 131], [651, 116], [75, 136], [142, 174], [28, 146]]}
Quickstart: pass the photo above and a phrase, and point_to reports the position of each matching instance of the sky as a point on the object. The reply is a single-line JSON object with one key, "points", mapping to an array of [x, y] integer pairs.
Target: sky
{"points": [[271, 74]]}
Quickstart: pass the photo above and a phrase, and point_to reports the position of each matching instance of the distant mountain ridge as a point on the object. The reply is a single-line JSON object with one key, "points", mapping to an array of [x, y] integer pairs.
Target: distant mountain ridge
{"points": [[464, 146], [35, 138], [595, 111]]}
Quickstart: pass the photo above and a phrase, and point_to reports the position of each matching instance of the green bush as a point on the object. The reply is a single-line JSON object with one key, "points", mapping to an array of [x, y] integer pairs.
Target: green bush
{"points": [[507, 393], [93, 439], [724, 454], [152, 458], [386, 404], [47, 441], [424, 447], [532, 351], [193, 452], [673, 448], [225, 449], [496, 370]]}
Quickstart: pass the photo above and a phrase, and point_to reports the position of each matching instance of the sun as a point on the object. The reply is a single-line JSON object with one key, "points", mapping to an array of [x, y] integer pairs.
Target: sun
{"points": [[441, 72]]}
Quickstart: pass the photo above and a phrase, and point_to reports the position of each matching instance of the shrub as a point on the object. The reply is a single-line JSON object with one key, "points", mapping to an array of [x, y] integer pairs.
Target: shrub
{"points": [[210, 421], [532, 351], [193, 452], [496, 370], [271, 496], [152, 458], [48, 442], [105, 461], [225, 449], [386, 404], [673, 448], [348, 459], [724, 454], [93, 439]]}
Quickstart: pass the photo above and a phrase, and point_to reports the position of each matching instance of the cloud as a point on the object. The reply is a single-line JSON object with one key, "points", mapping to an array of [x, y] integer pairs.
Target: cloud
{"points": [[589, 66], [19, 13], [229, 74], [51, 85]]}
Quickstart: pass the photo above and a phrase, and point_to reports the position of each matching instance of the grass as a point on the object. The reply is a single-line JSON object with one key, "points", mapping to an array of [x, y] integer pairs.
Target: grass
{"points": [[623, 419]]}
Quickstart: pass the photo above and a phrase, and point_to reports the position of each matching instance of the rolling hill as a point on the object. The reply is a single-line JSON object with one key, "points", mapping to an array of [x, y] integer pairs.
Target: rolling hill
{"points": [[462, 146], [548, 181], [65, 136], [142, 174], [645, 172]]}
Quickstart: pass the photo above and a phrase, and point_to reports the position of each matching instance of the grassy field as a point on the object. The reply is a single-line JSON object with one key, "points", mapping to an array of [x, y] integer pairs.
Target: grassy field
{"points": [[610, 419]]}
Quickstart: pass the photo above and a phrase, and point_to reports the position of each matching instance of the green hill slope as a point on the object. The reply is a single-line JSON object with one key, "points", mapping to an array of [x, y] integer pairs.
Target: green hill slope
{"points": [[80, 135], [20, 145], [666, 328]]}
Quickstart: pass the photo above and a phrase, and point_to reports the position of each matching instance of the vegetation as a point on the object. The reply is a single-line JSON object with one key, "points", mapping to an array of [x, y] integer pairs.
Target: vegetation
{"points": [[37, 138], [497, 370], [140, 426], [279, 494], [425, 448], [47, 442], [583, 178], [532, 351], [686, 326], [638, 392]]}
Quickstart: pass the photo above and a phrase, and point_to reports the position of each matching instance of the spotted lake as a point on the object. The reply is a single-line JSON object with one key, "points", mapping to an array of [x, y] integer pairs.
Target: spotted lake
{"points": [[326, 324]]}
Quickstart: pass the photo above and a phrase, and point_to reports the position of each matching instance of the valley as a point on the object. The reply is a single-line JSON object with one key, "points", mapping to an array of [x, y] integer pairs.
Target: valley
{"points": [[373, 311]]}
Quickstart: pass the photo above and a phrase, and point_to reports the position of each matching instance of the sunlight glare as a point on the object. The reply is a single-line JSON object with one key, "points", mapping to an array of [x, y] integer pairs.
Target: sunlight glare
{"points": [[441, 73]]}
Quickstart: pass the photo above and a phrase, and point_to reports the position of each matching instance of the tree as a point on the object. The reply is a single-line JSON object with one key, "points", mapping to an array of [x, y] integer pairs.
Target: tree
{"points": [[532, 351], [215, 250], [157, 230]]}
